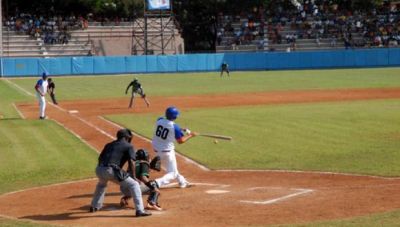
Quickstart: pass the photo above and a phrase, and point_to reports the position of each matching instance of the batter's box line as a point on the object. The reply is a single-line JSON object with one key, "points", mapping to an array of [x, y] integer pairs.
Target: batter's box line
{"points": [[173, 185], [299, 192]]}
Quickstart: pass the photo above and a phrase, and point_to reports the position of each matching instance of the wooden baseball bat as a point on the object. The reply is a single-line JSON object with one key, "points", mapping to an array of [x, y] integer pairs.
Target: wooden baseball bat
{"points": [[215, 136]]}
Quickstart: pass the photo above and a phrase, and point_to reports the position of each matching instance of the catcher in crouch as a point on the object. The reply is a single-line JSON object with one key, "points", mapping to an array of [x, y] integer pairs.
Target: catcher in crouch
{"points": [[147, 186], [136, 89]]}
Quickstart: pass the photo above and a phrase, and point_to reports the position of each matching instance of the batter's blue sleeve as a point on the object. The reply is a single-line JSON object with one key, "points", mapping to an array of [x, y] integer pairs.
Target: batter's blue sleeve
{"points": [[178, 132]]}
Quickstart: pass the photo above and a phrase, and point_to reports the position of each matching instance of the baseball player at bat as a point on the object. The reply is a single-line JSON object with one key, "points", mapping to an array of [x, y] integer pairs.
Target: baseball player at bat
{"points": [[136, 89], [147, 186], [165, 134]]}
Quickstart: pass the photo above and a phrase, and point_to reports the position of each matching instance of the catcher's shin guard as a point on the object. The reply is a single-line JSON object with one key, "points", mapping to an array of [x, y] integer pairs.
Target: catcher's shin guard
{"points": [[153, 197]]}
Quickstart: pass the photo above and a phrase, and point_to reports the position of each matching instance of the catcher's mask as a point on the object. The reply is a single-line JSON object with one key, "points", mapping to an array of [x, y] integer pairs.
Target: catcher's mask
{"points": [[142, 154], [124, 133]]}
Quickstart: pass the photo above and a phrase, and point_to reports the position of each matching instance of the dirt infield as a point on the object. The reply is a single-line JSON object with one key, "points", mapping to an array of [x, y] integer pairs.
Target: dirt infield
{"points": [[219, 198]]}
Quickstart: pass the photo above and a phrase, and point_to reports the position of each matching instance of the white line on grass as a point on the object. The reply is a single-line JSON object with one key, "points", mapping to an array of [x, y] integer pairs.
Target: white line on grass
{"points": [[307, 172], [19, 87], [18, 111], [47, 186], [299, 192], [78, 136]]}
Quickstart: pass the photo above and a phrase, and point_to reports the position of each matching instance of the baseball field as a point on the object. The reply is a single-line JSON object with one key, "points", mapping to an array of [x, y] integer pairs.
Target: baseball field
{"points": [[309, 148]]}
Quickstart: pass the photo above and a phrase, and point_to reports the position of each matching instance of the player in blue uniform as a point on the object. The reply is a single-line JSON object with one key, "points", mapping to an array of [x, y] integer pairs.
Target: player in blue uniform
{"points": [[41, 90], [165, 134]]}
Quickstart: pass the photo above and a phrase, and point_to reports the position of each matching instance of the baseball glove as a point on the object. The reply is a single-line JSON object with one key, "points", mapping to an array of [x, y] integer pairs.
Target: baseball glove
{"points": [[156, 163]]}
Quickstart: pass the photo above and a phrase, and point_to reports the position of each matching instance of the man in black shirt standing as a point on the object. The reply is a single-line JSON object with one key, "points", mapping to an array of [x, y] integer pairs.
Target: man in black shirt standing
{"points": [[109, 168], [51, 90]]}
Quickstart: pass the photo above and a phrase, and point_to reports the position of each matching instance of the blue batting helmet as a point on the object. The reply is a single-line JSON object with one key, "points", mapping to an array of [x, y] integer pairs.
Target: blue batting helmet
{"points": [[44, 75], [171, 113]]}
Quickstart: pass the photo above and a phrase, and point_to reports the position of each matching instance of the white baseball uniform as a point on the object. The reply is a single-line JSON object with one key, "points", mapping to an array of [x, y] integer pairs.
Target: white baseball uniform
{"points": [[42, 87], [166, 132]]}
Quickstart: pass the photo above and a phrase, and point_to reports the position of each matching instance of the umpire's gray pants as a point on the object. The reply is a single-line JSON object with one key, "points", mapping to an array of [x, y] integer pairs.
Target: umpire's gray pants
{"points": [[106, 174]]}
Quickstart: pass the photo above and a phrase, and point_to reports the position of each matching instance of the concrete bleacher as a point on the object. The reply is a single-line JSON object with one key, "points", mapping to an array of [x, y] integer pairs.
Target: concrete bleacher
{"points": [[99, 38], [20, 45]]}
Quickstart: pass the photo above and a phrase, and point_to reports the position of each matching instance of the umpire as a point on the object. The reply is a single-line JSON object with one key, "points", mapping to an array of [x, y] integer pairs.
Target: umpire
{"points": [[111, 160]]}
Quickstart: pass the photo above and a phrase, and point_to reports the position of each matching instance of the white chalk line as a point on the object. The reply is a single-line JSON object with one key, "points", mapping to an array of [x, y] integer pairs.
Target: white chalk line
{"points": [[299, 192], [18, 111], [173, 185], [308, 172], [78, 136], [19, 87], [46, 186], [149, 141]]}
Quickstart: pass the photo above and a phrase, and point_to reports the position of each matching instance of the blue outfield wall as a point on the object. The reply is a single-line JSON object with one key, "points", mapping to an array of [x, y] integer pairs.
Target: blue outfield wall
{"points": [[201, 62]]}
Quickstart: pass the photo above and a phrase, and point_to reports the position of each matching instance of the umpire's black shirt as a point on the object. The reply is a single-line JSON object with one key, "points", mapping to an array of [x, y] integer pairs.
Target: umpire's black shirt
{"points": [[116, 153]]}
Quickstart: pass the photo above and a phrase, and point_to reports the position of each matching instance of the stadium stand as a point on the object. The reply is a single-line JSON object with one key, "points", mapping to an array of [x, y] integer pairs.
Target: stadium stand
{"points": [[313, 25], [23, 37]]}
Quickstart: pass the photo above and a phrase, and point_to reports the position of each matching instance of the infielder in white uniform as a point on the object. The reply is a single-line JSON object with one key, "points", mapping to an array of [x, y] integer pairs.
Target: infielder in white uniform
{"points": [[166, 132], [41, 90]]}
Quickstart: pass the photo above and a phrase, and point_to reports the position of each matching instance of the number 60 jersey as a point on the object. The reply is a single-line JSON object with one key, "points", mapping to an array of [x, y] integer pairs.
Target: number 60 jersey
{"points": [[165, 134]]}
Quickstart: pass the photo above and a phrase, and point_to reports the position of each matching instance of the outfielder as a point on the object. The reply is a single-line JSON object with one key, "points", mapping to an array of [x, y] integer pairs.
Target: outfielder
{"points": [[166, 132], [147, 186], [224, 68], [109, 168], [41, 90], [136, 89]]}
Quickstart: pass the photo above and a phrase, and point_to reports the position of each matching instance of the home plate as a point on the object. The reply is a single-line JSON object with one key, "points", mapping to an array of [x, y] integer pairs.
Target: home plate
{"points": [[216, 191], [73, 111]]}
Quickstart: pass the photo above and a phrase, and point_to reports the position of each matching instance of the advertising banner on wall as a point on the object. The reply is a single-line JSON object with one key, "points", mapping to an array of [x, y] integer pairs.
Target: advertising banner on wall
{"points": [[158, 4]]}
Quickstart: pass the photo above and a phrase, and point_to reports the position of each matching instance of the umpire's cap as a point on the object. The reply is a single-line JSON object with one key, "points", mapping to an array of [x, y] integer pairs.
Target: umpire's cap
{"points": [[124, 133], [171, 113]]}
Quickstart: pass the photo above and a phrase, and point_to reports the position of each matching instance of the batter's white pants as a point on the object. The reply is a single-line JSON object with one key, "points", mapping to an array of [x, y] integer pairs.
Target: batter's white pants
{"points": [[168, 160], [42, 105]]}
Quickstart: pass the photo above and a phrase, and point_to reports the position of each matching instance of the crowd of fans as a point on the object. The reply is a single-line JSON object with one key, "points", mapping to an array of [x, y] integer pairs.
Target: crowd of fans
{"points": [[52, 29], [314, 19]]}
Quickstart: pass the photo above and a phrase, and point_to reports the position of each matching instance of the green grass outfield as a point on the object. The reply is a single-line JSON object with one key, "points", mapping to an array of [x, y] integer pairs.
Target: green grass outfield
{"points": [[373, 126], [70, 88]]}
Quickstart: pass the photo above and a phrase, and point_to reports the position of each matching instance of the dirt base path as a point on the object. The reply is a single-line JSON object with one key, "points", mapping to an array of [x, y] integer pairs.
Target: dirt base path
{"points": [[219, 198]]}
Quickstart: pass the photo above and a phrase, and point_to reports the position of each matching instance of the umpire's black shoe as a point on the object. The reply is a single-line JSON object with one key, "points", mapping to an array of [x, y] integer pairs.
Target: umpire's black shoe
{"points": [[93, 209], [142, 213]]}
